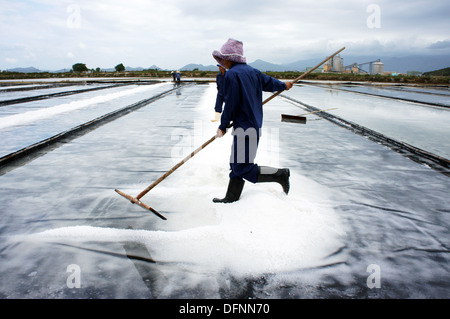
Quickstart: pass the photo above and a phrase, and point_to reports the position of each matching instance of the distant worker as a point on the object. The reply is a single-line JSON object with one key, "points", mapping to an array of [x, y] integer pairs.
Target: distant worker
{"points": [[243, 91], [178, 76], [219, 98], [174, 76]]}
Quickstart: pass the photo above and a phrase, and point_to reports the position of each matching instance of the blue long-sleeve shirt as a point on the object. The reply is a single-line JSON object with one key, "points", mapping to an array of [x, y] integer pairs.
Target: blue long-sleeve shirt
{"points": [[243, 86], [219, 97]]}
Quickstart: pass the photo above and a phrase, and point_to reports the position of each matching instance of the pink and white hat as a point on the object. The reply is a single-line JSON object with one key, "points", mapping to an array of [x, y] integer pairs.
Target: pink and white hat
{"points": [[232, 50]]}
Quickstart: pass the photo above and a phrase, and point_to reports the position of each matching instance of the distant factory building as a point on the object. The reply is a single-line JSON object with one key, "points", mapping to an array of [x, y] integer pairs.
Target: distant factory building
{"points": [[334, 65], [378, 68], [375, 67]]}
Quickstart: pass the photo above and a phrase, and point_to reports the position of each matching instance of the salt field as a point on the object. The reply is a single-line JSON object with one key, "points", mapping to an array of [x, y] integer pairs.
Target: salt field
{"points": [[361, 220]]}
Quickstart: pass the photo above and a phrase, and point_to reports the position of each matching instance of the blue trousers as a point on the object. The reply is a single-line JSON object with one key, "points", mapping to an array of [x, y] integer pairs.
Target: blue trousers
{"points": [[243, 153]]}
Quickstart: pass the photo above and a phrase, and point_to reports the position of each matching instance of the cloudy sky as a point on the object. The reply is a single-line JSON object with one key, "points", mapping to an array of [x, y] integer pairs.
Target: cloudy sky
{"points": [[55, 34]]}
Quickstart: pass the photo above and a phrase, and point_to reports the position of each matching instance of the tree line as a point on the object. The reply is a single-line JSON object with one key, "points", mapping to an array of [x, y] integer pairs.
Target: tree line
{"points": [[81, 70], [81, 67]]}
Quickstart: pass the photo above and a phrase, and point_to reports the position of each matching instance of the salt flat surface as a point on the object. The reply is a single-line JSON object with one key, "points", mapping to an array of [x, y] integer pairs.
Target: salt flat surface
{"points": [[353, 203]]}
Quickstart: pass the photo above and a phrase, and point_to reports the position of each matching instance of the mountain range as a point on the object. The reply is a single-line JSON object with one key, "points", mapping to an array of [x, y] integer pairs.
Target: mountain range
{"points": [[393, 64]]}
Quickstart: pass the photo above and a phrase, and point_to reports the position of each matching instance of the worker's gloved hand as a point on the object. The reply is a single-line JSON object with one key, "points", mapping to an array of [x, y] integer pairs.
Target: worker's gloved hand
{"points": [[220, 133], [217, 117]]}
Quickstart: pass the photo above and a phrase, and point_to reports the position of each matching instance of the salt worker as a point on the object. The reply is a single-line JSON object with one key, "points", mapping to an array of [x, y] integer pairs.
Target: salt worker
{"points": [[243, 89], [219, 98]]}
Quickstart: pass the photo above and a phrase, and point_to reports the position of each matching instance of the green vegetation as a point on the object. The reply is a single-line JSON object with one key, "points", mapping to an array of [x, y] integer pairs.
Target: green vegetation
{"points": [[79, 67], [441, 72], [401, 78], [119, 67]]}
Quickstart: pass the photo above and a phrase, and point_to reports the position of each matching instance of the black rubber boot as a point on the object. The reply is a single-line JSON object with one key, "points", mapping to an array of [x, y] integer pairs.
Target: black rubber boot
{"points": [[234, 191], [270, 174]]}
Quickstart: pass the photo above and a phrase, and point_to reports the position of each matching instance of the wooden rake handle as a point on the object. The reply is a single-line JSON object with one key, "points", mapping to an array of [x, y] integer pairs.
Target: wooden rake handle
{"points": [[173, 169]]}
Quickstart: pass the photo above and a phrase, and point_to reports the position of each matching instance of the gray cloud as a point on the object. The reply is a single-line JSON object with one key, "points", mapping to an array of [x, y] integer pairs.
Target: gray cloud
{"points": [[56, 34], [440, 45]]}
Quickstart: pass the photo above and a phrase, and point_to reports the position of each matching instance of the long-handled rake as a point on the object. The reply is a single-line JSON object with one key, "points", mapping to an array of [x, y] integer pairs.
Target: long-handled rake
{"points": [[137, 199]]}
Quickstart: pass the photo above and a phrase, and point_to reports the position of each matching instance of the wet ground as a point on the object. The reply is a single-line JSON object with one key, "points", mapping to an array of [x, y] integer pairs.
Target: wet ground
{"points": [[360, 221]]}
